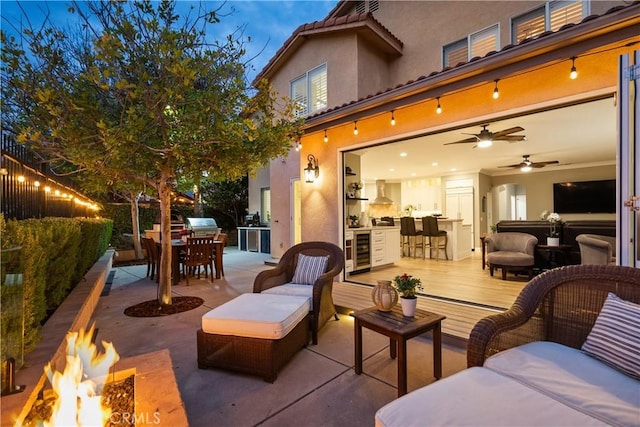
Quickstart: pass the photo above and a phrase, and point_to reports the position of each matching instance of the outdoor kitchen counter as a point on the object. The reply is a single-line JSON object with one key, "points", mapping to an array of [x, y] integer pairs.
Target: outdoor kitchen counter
{"points": [[254, 239]]}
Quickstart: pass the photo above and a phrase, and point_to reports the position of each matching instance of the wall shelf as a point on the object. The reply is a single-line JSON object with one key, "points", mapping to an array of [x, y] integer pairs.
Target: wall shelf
{"points": [[355, 198], [350, 174]]}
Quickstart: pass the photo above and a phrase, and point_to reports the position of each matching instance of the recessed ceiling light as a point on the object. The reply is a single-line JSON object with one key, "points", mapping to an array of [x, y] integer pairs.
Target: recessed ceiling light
{"points": [[434, 164], [453, 169], [413, 174], [392, 170], [403, 154]]}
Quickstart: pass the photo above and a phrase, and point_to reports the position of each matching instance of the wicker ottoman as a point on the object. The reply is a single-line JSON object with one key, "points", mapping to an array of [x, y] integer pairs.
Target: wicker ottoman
{"points": [[254, 333]]}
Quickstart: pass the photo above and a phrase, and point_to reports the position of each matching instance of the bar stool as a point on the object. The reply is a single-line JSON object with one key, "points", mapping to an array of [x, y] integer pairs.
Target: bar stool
{"points": [[408, 232], [430, 230]]}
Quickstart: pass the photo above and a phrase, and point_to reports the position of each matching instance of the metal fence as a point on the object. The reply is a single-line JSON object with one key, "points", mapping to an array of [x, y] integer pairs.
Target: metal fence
{"points": [[30, 189]]}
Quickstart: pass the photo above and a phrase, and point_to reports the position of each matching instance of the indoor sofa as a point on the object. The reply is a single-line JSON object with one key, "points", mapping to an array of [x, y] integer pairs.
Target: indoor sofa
{"points": [[566, 353], [568, 231]]}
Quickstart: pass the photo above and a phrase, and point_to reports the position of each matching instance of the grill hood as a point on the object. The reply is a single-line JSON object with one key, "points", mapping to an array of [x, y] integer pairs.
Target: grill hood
{"points": [[381, 199]]}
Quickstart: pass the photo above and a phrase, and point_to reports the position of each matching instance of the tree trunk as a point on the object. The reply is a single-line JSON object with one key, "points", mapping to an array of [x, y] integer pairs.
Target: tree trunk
{"points": [[135, 224], [198, 209], [164, 192]]}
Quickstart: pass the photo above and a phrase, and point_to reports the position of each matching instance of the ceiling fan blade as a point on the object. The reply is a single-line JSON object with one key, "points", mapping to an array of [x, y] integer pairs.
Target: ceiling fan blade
{"points": [[517, 165], [510, 138], [507, 132], [543, 164], [463, 141]]}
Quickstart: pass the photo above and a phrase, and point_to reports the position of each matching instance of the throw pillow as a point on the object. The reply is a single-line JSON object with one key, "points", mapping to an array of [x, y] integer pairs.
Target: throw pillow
{"points": [[309, 268], [615, 337]]}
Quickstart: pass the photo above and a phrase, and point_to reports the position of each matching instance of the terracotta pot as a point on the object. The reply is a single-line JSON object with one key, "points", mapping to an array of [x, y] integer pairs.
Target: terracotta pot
{"points": [[408, 306]]}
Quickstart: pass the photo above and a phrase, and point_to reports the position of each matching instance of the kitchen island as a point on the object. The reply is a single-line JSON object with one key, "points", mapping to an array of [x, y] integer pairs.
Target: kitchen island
{"points": [[459, 235]]}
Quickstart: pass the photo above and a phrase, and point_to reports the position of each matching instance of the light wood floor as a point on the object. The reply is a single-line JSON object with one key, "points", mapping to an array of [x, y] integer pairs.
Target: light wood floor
{"points": [[461, 290]]}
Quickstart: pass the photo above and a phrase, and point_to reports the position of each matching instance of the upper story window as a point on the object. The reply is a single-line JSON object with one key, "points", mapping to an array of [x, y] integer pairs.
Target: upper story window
{"points": [[548, 17], [310, 91], [476, 44]]}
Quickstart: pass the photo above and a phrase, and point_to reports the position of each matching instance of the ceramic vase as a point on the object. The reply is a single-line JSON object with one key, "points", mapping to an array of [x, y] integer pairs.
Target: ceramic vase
{"points": [[408, 306], [553, 241], [384, 295]]}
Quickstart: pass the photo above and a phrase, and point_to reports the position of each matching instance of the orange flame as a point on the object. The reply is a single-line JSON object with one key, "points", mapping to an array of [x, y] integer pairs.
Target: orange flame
{"points": [[78, 387]]}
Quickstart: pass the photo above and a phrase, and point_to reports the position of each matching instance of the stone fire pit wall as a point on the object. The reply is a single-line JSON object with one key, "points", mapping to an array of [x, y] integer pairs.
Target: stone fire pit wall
{"points": [[72, 315]]}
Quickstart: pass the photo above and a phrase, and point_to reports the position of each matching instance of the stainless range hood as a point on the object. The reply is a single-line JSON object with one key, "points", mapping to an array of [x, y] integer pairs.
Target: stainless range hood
{"points": [[381, 199], [381, 206]]}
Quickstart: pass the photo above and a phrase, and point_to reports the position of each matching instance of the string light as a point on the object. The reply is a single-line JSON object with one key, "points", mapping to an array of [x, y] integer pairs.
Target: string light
{"points": [[21, 178], [36, 184], [326, 138], [355, 127], [496, 92], [438, 108], [393, 119], [574, 73]]}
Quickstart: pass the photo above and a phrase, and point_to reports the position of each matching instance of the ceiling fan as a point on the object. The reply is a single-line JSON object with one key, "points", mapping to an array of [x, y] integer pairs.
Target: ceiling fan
{"points": [[525, 165], [485, 138]]}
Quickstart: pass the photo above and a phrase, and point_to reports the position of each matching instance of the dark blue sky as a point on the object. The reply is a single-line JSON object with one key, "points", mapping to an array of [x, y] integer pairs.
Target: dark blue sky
{"points": [[268, 23]]}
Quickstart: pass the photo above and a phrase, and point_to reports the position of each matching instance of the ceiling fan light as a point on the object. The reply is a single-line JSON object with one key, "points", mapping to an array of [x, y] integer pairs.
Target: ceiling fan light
{"points": [[485, 143], [525, 168]]}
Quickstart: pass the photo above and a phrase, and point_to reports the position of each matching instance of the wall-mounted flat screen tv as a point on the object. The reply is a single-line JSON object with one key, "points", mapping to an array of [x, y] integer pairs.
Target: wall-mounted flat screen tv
{"points": [[585, 197]]}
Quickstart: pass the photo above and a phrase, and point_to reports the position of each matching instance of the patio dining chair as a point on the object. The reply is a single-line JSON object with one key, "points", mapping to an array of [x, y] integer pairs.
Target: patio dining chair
{"points": [[197, 253]]}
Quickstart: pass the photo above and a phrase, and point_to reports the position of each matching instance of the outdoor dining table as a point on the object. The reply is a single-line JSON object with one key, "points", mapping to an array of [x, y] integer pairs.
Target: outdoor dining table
{"points": [[178, 245]]}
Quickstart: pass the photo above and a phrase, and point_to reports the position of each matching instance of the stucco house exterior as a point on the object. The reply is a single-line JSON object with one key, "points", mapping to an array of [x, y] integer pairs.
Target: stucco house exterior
{"points": [[371, 61]]}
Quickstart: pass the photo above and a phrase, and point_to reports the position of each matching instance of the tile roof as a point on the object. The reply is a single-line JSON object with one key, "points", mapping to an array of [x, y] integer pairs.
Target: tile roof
{"points": [[329, 24], [477, 58]]}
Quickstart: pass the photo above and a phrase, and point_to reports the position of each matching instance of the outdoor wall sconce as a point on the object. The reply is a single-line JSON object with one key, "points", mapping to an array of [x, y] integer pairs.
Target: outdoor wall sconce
{"points": [[312, 171]]}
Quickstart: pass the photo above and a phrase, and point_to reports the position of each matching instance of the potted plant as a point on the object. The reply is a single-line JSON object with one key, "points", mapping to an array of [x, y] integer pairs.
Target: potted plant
{"points": [[354, 221], [554, 235], [407, 286]]}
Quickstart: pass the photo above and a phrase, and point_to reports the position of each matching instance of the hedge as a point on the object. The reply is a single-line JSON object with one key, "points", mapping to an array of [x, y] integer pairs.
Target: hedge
{"points": [[53, 256]]}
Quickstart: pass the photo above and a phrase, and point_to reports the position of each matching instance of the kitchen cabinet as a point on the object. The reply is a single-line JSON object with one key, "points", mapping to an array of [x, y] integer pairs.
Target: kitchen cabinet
{"points": [[385, 245], [459, 205], [254, 239]]}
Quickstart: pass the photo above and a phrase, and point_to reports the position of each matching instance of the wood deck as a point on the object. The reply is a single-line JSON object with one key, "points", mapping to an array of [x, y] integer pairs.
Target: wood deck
{"points": [[460, 290]]}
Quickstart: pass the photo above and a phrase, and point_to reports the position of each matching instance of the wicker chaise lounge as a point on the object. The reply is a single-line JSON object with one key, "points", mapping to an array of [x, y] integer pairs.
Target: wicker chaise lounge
{"points": [[566, 353], [278, 280]]}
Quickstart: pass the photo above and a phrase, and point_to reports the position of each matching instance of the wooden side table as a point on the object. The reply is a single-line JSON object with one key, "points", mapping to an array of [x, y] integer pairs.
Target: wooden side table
{"points": [[399, 329]]}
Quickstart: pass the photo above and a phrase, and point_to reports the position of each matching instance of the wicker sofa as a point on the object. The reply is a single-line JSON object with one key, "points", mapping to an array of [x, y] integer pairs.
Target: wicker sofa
{"points": [[527, 365]]}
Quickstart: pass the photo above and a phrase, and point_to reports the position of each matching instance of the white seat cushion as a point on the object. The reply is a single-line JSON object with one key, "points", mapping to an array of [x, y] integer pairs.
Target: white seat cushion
{"points": [[574, 378], [479, 397], [294, 289], [257, 316]]}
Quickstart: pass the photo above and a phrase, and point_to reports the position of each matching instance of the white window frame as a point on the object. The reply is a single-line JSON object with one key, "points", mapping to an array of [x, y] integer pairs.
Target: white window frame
{"points": [[545, 11], [305, 107], [469, 40]]}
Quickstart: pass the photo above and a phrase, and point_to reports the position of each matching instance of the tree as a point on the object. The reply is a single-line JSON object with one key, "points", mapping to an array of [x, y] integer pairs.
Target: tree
{"points": [[139, 95]]}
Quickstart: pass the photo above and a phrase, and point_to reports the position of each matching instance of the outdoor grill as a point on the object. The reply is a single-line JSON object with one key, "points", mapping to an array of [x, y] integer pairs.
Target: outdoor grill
{"points": [[202, 226]]}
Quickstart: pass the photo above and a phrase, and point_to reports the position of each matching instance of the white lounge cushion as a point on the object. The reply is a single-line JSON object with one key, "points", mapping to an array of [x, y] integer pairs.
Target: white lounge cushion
{"points": [[478, 397], [574, 378], [257, 316], [615, 337], [294, 289]]}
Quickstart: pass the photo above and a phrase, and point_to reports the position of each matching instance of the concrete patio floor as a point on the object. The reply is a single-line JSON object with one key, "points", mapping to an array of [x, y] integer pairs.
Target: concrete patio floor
{"points": [[318, 387]]}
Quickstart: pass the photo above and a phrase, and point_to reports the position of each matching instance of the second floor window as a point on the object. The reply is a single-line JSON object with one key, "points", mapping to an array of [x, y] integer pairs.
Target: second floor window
{"points": [[476, 44], [548, 17], [309, 91]]}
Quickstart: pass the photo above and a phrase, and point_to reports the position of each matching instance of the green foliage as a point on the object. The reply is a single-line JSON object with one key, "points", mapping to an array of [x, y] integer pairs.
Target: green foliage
{"points": [[120, 214], [228, 197], [407, 285], [141, 97], [54, 254]]}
